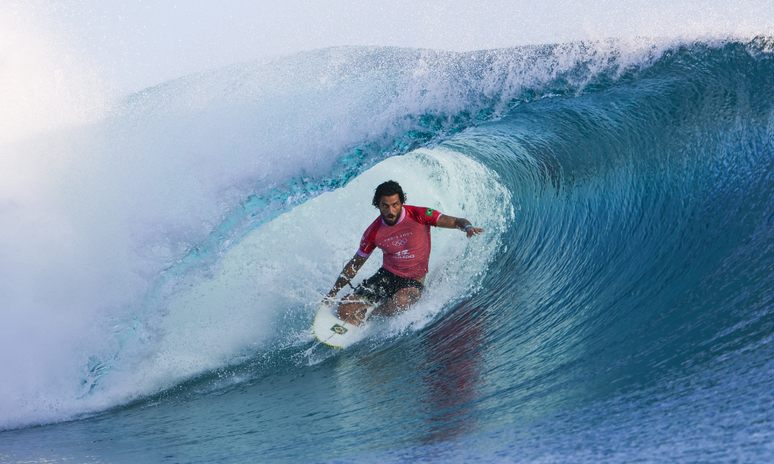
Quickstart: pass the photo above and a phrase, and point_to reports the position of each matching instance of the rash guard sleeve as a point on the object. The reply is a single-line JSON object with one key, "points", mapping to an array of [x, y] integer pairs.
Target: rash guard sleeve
{"points": [[423, 215], [368, 241]]}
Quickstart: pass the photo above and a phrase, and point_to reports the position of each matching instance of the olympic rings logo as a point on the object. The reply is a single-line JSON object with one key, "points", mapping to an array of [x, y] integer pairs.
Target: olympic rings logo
{"points": [[400, 242]]}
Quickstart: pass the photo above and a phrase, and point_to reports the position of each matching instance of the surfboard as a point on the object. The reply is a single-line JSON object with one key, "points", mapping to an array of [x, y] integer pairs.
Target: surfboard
{"points": [[335, 332]]}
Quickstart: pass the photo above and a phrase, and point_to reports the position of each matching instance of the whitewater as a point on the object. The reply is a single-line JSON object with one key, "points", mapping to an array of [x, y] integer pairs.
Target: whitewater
{"points": [[164, 254]]}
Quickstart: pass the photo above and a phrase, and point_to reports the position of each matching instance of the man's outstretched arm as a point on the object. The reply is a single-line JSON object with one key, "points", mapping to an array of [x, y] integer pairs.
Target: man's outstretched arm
{"points": [[349, 272], [450, 222]]}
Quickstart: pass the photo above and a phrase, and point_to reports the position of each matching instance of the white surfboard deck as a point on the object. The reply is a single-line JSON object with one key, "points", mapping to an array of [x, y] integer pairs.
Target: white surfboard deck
{"points": [[332, 331]]}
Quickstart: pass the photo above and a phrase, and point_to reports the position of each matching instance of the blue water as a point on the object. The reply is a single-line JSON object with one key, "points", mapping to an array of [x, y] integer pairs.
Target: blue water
{"points": [[620, 307]]}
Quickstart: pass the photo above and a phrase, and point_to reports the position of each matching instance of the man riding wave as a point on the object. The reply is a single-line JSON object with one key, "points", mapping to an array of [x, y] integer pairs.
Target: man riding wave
{"points": [[402, 232]]}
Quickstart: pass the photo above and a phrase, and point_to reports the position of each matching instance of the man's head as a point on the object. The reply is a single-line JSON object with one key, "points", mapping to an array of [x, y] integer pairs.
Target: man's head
{"points": [[389, 198]]}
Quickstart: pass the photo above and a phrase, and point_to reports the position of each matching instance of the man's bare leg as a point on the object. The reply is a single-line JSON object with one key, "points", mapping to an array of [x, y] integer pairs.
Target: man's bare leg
{"points": [[399, 302], [352, 309]]}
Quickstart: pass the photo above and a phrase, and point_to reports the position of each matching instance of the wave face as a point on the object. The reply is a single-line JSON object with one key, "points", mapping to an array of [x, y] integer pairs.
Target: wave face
{"points": [[618, 308]]}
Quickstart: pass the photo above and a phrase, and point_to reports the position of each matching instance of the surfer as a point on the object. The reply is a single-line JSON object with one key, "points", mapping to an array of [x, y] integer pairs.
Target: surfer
{"points": [[403, 234]]}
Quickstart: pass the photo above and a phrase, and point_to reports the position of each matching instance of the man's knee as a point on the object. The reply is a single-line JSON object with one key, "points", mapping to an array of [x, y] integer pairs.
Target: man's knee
{"points": [[406, 297], [354, 308]]}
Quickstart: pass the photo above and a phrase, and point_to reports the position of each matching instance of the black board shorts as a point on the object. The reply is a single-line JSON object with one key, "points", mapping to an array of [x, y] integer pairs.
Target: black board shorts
{"points": [[380, 287]]}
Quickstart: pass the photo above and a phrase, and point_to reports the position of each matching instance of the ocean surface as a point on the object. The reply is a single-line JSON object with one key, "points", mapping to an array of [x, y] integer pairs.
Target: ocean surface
{"points": [[160, 288]]}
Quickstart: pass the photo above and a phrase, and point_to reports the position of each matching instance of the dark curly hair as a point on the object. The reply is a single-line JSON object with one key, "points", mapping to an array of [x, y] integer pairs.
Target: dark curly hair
{"points": [[386, 189]]}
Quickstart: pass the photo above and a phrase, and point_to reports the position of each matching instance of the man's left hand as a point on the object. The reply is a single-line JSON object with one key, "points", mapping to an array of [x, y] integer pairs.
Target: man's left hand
{"points": [[471, 231]]}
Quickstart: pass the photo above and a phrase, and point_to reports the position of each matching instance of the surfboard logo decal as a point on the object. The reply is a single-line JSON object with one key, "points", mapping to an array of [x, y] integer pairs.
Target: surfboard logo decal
{"points": [[339, 329]]}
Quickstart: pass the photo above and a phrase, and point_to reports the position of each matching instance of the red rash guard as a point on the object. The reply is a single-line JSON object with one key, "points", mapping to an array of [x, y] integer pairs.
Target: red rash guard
{"points": [[406, 245]]}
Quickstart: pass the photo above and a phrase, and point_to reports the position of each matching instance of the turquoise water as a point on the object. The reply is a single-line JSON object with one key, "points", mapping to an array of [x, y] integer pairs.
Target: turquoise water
{"points": [[619, 307]]}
